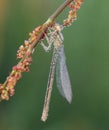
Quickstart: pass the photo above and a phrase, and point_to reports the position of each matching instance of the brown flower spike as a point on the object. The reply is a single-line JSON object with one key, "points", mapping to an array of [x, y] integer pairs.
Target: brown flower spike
{"points": [[25, 51]]}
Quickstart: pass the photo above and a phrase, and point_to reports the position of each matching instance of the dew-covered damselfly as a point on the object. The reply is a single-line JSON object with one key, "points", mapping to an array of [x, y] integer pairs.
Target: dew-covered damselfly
{"points": [[58, 64]]}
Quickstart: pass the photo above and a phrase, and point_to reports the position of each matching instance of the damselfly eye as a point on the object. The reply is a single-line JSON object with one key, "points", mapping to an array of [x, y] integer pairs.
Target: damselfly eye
{"points": [[58, 27]]}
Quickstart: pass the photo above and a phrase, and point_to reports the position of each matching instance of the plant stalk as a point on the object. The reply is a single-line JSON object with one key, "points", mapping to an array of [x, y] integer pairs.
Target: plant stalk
{"points": [[50, 21]]}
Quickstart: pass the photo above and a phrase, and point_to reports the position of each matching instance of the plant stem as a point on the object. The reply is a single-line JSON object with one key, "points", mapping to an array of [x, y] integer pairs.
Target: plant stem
{"points": [[60, 9], [50, 21]]}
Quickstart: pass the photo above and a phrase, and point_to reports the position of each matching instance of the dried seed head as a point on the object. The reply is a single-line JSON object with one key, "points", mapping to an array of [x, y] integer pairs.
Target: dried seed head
{"points": [[4, 95], [74, 7]]}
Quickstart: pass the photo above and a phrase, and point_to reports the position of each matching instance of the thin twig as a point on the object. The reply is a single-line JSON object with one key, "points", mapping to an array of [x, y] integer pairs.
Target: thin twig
{"points": [[51, 19], [60, 9]]}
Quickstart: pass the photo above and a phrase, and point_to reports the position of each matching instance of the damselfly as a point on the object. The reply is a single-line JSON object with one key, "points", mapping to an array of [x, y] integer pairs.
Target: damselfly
{"points": [[58, 63]]}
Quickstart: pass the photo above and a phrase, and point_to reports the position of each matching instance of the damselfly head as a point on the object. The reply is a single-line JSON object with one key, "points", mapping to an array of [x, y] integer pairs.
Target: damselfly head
{"points": [[58, 27]]}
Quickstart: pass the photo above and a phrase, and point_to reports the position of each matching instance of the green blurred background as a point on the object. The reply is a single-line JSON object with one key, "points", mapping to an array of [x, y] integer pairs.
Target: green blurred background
{"points": [[87, 52]]}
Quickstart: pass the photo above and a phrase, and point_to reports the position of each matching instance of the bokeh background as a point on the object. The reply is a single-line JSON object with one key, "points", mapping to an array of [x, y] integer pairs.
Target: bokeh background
{"points": [[87, 51]]}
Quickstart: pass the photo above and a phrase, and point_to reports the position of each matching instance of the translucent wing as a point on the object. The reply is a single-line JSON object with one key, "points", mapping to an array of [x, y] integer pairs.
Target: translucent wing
{"points": [[62, 76]]}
